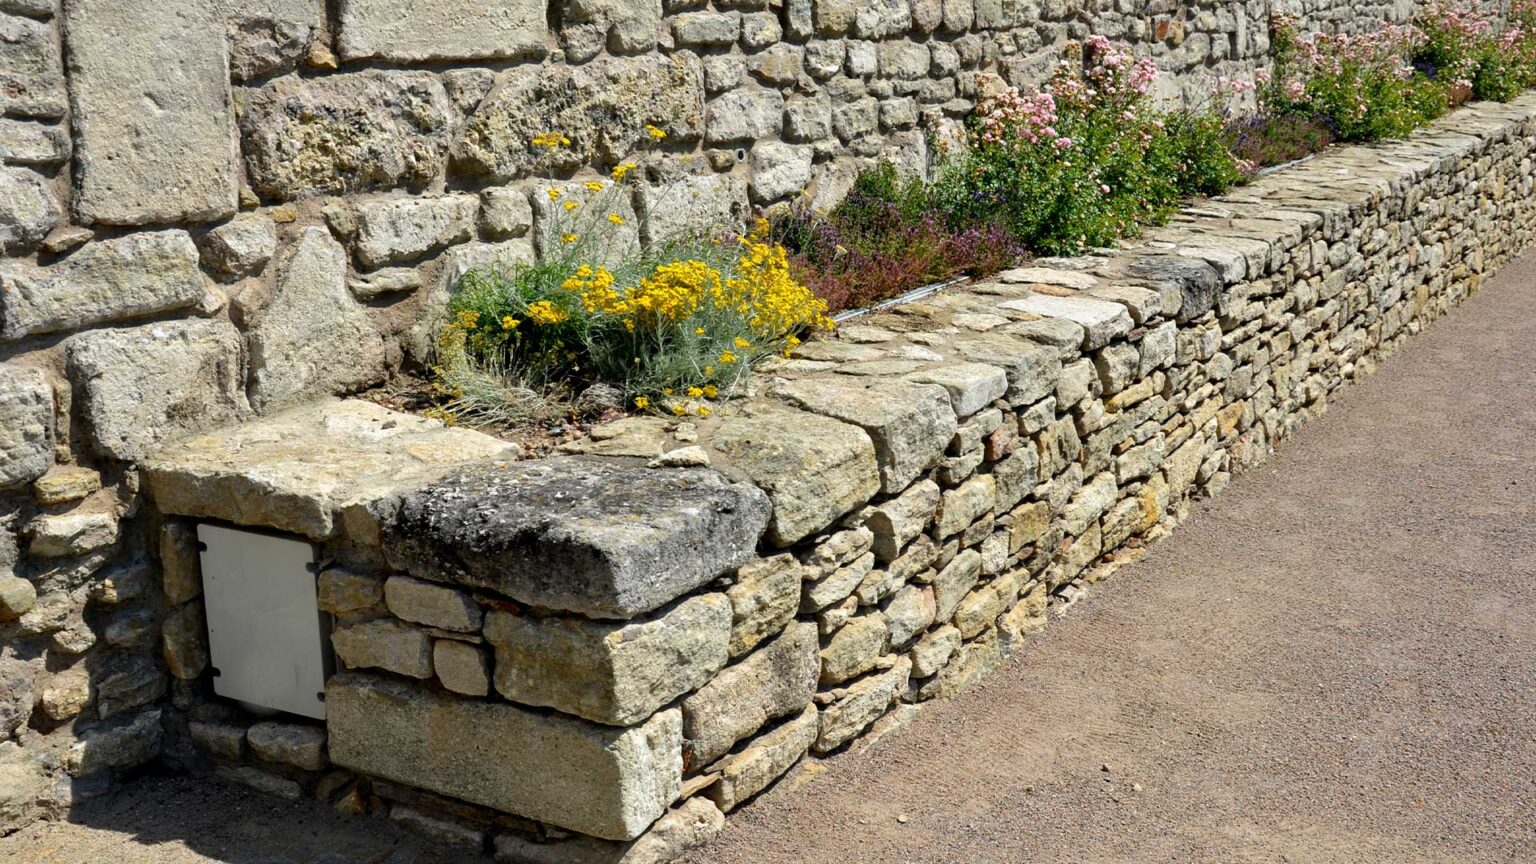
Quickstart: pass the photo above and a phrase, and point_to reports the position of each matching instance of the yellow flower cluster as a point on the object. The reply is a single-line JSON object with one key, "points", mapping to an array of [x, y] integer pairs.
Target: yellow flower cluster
{"points": [[551, 140], [545, 312], [768, 297]]}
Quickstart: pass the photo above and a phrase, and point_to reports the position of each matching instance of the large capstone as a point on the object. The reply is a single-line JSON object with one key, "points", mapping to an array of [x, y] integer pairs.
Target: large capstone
{"points": [[442, 30], [605, 781], [910, 424], [601, 108], [345, 133], [578, 534]]}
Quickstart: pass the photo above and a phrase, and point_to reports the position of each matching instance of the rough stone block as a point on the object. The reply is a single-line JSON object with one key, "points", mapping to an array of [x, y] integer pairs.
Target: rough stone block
{"points": [[31, 76], [578, 534], [140, 387], [135, 72], [897, 521], [27, 209], [184, 642], [814, 469], [971, 386], [763, 600], [442, 30], [617, 673], [854, 648], [693, 206], [461, 667], [125, 277], [118, 745], [1032, 370], [241, 247], [1101, 320], [602, 107], [345, 133], [312, 339], [391, 230], [292, 744], [26, 424], [910, 424], [433, 605], [385, 644], [774, 681], [763, 761], [599, 780], [864, 702]]}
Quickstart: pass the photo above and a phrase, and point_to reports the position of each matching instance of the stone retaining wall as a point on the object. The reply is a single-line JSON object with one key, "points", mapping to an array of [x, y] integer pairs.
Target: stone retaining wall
{"points": [[212, 212], [593, 657]]}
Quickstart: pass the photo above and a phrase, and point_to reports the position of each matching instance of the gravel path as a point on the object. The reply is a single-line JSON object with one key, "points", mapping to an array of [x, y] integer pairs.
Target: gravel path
{"points": [[1335, 661]]}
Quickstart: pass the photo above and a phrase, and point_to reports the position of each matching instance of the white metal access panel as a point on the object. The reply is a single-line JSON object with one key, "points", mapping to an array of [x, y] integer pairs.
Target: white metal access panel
{"points": [[266, 634]]}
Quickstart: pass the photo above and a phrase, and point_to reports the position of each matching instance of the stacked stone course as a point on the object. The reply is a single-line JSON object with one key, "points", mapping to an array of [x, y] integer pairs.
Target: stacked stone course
{"points": [[213, 214]]}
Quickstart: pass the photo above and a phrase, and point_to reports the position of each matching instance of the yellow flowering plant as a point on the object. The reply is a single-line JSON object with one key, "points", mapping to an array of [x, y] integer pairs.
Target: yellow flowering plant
{"points": [[676, 326]]}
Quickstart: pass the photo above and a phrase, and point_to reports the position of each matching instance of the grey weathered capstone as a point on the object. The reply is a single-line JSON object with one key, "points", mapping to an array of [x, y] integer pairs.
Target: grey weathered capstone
{"points": [[125, 277], [764, 760], [431, 604], [139, 387], [617, 673], [27, 210], [136, 72], [814, 469], [26, 424], [578, 534], [441, 30], [312, 338], [910, 424], [385, 643], [391, 230], [311, 470], [345, 133], [1198, 282], [776, 680], [602, 107], [600, 780], [240, 247]]}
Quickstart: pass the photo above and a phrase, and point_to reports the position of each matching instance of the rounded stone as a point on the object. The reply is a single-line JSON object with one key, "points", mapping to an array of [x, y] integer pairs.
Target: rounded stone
{"points": [[16, 597]]}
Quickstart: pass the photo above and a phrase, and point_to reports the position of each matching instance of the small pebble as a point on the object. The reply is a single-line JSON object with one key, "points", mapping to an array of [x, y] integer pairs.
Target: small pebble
{"points": [[902, 818]]}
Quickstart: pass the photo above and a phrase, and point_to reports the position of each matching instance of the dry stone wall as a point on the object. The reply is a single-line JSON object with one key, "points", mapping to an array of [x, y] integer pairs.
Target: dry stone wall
{"points": [[213, 211], [595, 656]]}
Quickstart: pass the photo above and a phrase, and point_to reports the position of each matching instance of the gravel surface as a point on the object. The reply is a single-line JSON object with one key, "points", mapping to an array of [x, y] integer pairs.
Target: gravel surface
{"points": [[1335, 661]]}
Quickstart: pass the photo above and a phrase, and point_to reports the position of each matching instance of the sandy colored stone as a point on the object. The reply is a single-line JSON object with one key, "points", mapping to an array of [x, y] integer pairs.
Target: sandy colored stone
{"points": [[764, 760], [441, 30], [774, 681]]}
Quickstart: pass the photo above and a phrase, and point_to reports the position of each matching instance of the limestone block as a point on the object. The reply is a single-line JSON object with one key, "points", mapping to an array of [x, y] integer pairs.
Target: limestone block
{"points": [[136, 71], [779, 170], [312, 339], [692, 206], [140, 387], [27, 209], [961, 506], [26, 143], [910, 424], [505, 212], [341, 590], [600, 780], [241, 247], [864, 702], [814, 469], [441, 30], [18, 683], [31, 74], [909, 612], [954, 581], [65, 483], [17, 597], [1101, 320], [461, 667], [971, 386], [774, 681], [125, 277], [617, 673], [579, 534], [897, 521], [225, 740], [66, 535], [433, 605], [933, 651], [763, 600], [1032, 370], [26, 424], [630, 26], [391, 230], [602, 107], [763, 761], [854, 648], [742, 115], [385, 644], [260, 45], [292, 744], [181, 573], [184, 642], [311, 470], [353, 132], [119, 745]]}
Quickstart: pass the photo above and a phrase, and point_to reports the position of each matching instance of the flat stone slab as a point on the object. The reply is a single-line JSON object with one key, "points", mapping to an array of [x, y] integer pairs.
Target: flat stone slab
{"points": [[605, 781], [1103, 320], [578, 534], [312, 470]]}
